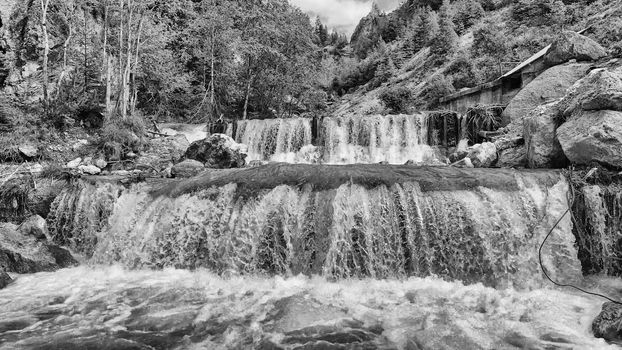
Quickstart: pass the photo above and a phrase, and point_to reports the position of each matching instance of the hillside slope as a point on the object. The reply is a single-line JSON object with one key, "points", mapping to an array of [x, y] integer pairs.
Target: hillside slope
{"points": [[489, 39]]}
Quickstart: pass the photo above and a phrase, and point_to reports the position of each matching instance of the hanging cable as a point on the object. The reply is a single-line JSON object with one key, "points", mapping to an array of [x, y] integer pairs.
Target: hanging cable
{"points": [[570, 204]]}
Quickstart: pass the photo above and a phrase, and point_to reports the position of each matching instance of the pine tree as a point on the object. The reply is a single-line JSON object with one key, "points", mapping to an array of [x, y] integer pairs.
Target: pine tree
{"points": [[446, 42]]}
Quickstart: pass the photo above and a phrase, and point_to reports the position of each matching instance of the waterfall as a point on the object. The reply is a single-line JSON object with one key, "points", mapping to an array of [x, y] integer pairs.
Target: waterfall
{"points": [[278, 140], [395, 139], [385, 224]]}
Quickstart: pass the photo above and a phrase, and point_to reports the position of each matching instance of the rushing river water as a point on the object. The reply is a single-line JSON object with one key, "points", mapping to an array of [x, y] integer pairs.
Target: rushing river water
{"points": [[112, 308], [395, 139]]}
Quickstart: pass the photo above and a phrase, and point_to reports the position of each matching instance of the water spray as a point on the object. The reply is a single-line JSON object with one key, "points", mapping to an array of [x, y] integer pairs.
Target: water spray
{"points": [[570, 204]]}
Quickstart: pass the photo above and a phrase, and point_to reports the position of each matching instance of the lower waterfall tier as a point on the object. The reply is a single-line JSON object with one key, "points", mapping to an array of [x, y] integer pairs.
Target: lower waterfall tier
{"points": [[339, 221]]}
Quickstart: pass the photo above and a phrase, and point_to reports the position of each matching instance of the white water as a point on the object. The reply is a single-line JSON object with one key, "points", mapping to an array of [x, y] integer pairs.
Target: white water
{"points": [[112, 308], [395, 139], [279, 140]]}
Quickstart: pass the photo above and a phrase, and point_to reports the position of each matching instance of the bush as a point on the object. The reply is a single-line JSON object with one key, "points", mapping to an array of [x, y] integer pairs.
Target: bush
{"points": [[120, 137], [538, 12], [437, 87], [467, 13], [396, 99], [462, 71]]}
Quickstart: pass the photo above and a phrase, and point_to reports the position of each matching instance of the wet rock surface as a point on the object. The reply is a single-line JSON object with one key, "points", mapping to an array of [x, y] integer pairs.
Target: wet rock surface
{"points": [[187, 168], [20, 253], [5, 279], [608, 324], [217, 151]]}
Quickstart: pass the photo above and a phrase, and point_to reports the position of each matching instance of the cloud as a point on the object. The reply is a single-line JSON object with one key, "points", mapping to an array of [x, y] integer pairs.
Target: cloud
{"points": [[341, 15]]}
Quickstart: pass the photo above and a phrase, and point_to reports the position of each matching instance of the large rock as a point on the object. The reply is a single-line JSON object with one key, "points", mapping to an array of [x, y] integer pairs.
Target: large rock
{"points": [[89, 169], [551, 85], [34, 226], [542, 147], [5, 279], [608, 324], [28, 151], [218, 151], [593, 136], [27, 254], [483, 155], [163, 152], [513, 157], [187, 168], [600, 89], [571, 45]]}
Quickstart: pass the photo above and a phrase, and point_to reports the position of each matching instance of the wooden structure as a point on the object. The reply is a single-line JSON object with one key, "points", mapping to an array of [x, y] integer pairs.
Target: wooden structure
{"points": [[500, 91], [444, 128]]}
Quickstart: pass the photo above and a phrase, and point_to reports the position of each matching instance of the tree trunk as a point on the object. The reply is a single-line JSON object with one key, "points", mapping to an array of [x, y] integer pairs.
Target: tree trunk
{"points": [[65, 47], [126, 73], [248, 92], [86, 66], [134, 88], [46, 52]]}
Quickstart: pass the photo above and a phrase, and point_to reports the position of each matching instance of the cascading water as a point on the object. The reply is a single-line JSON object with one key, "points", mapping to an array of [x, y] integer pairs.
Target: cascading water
{"points": [[360, 233], [353, 227], [395, 139], [280, 140]]}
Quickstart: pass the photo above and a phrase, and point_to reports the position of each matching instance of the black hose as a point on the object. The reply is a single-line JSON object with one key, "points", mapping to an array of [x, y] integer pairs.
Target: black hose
{"points": [[570, 203]]}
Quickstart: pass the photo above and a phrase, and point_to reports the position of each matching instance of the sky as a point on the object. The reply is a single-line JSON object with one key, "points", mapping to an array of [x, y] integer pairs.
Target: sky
{"points": [[342, 15]]}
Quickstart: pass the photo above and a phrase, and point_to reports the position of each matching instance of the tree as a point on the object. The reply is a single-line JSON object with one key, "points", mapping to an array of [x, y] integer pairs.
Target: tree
{"points": [[46, 51], [446, 42]]}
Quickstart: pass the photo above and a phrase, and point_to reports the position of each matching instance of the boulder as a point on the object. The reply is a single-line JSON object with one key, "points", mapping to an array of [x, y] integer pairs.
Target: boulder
{"points": [[34, 226], [608, 324], [187, 168], [218, 151], [100, 163], [573, 46], [552, 84], [28, 151], [542, 147], [593, 136], [5, 279], [162, 152], [26, 254], [483, 155], [74, 163], [89, 169], [512, 157], [600, 89]]}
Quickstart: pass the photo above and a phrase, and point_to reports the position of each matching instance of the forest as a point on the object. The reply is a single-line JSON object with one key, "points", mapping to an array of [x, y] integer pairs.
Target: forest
{"points": [[121, 64]]}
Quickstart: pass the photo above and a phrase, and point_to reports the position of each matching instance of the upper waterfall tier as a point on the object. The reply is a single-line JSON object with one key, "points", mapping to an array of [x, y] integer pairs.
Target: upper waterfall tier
{"points": [[342, 221], [395, 139]]}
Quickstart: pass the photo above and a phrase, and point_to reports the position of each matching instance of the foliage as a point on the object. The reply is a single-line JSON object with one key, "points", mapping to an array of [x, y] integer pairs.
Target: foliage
{"points": [[462, 71], [466, 14], [538, 12], [437, 87], [396, 99], [446, 42]]}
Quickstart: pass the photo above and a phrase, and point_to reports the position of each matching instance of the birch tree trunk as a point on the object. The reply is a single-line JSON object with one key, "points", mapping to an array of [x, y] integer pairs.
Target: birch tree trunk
{"points": [[46, 52]]}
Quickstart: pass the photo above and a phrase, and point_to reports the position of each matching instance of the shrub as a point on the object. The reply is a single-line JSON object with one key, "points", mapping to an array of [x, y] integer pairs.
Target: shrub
{"points": [[462, 71], [538, 12], [467, 13], [437, 87], [119, 137], [396, 99]]}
